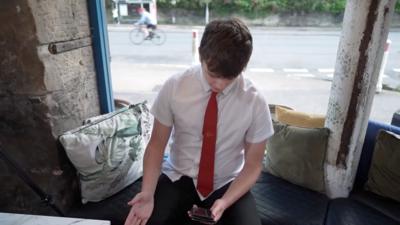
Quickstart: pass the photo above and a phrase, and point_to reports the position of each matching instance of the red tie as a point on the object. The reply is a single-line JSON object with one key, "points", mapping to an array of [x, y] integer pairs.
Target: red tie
{"points": [[205, 179]]}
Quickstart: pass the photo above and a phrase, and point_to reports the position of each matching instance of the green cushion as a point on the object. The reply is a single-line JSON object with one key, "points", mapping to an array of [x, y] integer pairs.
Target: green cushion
{"points": [[108, 151], [384, 174], [297, 155]]}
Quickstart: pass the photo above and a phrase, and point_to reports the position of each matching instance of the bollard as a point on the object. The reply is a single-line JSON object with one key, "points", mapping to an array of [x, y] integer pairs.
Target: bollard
{"points": [[195, 47], [383, 65]]}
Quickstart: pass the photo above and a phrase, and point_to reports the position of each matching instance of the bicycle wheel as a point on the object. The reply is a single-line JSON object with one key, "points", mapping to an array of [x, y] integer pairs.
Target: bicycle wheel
{"points": [[159, 37], [136, 36]]}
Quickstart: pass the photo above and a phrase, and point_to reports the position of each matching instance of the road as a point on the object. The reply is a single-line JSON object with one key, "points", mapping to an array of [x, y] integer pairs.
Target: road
{"points": [[274, 49], [290, 67]]}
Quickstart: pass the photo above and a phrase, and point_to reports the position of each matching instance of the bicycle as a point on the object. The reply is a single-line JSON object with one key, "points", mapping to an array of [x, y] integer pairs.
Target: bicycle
{"points": [[137, 36]]}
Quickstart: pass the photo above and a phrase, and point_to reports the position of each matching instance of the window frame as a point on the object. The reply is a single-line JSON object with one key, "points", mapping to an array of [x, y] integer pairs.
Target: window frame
{"points": [[101, 54]]}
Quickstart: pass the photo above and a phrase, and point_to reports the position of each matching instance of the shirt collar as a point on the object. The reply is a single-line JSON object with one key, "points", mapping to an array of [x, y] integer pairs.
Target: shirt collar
{"points": [[203, 81]]}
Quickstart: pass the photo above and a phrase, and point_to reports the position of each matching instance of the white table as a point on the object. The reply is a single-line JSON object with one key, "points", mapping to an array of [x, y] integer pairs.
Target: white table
{"points": [[23, 219]]}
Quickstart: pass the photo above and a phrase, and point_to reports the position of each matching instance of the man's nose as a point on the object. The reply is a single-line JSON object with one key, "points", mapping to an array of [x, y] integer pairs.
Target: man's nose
{"points": [[219, 85]]}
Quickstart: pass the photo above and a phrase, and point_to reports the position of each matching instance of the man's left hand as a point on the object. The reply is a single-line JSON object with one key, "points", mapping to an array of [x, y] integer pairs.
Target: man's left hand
{"points": [[218, 209]]}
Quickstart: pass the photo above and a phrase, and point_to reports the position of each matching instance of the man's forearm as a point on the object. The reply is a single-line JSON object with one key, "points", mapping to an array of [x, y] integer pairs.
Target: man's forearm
{"points": [[153, 156], [254, 152], [151, 168], [242, 184]]}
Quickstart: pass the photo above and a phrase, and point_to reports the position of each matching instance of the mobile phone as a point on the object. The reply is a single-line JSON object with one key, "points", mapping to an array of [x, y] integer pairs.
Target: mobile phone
{"points": [[201, 215]]}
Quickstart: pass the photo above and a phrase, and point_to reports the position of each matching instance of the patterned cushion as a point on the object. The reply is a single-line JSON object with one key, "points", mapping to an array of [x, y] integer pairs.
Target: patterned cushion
{"points": [[108, 151]]}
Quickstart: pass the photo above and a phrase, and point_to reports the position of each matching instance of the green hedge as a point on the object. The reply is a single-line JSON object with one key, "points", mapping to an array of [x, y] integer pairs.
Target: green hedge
{"points": [[262, 7]]}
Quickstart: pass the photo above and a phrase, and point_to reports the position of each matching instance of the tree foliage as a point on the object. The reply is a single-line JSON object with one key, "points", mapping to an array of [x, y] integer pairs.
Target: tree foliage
{"points": [[262, 6]]}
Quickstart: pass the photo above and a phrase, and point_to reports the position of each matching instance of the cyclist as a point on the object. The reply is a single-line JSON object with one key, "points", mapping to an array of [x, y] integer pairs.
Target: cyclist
{"points": [[148, 20]]}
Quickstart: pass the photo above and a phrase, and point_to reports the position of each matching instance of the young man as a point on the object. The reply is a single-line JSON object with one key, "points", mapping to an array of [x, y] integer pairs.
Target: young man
{"points": [[221, 123]]}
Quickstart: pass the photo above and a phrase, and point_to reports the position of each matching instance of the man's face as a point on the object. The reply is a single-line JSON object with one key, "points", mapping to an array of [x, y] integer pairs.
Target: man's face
{"points": [[216, 82]]}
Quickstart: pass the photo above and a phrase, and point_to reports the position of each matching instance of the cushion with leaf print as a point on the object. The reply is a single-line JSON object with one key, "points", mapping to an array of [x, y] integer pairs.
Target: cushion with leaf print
{"points": [[108, 150]]}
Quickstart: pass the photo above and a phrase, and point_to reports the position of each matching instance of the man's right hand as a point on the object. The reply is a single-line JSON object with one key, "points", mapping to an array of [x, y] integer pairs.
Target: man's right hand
{"points": [[142, 207]]}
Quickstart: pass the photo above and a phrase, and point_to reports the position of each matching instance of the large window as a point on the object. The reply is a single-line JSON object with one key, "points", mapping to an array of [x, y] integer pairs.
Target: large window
{"points": [[293, 66]]}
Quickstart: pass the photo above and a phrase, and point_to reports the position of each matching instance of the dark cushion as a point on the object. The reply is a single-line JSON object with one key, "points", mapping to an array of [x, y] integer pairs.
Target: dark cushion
{"points": [[396, 119], [384, 174], [114, 208], [368, 149], [284, 203], [297, 155], [345, 211], [384, 205]]}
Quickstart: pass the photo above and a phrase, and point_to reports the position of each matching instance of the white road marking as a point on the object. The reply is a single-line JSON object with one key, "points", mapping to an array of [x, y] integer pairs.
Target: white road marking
{"points": [[295, 70], [322, 70], [301, 75], [172, 65], [261, 70], [397, 70]]}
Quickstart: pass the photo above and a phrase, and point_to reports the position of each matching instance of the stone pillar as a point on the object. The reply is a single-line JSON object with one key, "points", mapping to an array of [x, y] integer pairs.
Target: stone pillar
{"points": [[365, 30], [47, 86]]}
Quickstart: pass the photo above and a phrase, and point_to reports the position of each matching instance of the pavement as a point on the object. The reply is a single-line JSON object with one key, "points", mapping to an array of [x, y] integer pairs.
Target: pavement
{"points": [[137, 83]]}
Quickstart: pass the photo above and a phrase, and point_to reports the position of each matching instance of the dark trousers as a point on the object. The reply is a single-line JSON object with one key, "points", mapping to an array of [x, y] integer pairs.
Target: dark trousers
{"points": [[151, 26], [172, 200]]}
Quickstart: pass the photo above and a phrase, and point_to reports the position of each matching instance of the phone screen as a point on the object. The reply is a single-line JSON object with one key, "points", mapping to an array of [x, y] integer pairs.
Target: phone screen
{"points": [[201, 215]]}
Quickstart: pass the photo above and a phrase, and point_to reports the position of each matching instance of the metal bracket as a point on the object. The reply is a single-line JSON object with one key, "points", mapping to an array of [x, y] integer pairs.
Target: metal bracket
{"points": [[60, 47]]}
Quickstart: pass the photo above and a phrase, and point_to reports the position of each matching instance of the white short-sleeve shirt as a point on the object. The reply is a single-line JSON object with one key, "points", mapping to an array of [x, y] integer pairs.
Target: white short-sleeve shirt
{"points": [[243, 115]]}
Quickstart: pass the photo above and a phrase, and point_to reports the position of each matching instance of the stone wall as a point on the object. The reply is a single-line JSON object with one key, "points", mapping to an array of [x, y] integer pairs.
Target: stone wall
{"points": [[42, 95]]}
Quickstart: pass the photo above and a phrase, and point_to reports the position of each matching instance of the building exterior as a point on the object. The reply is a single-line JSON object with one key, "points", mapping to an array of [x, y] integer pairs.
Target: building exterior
{"points": [[126, 9]]}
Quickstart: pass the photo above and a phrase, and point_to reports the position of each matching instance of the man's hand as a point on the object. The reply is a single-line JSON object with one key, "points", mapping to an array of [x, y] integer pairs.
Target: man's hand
{"points": [[142, 207], [218, 209], [143, 203]]}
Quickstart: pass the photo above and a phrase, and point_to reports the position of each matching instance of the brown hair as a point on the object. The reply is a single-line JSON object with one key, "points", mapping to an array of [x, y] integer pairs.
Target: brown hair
{"points": [[226, 47]]}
